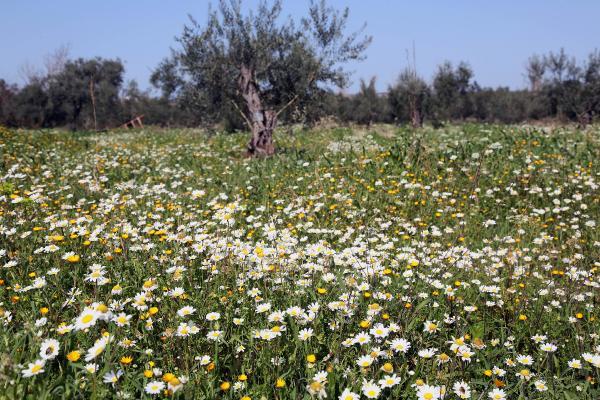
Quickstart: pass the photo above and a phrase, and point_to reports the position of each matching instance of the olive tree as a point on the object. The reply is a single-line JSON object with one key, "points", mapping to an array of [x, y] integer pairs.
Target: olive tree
{"points": [[409, 97], [259, 63]]}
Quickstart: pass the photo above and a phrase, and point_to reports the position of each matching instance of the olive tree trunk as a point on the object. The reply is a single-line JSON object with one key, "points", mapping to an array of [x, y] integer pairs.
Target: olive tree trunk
{"points": [[262, 121], [416, 118]]}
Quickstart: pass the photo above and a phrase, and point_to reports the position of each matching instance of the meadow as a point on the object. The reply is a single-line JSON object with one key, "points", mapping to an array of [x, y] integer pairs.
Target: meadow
{"points": [[452, 263]]}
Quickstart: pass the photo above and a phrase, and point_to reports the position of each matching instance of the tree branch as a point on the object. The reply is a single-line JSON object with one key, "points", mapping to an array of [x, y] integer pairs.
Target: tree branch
{"points": [[242, 114], [289, 103]]}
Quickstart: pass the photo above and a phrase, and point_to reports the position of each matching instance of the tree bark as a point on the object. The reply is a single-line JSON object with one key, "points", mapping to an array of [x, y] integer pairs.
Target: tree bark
{"points": [[93, 102], [584, 119], [415, 115], [262, 121]]}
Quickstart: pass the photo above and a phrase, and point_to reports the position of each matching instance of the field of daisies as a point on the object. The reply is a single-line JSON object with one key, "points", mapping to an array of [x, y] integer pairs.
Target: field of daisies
{"points": [[457, 263]]}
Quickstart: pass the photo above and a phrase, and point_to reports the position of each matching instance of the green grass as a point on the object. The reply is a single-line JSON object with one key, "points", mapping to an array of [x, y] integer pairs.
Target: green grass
{"points": [[489, 232]]}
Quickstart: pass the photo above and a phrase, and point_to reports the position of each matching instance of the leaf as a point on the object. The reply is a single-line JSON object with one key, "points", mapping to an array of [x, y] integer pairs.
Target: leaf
{"points": [[570, 396], [421, 305], [478, 330]]}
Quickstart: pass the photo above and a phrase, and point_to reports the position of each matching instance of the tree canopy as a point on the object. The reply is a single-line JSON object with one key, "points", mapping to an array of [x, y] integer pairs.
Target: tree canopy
{"points": [[260, 63]]}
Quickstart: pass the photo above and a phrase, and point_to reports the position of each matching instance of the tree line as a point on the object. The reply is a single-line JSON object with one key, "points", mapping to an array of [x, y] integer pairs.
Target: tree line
{"points": [[250, 72]]}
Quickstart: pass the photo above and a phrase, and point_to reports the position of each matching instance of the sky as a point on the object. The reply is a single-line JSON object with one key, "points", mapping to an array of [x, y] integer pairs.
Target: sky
{"points": [[494, 37]]}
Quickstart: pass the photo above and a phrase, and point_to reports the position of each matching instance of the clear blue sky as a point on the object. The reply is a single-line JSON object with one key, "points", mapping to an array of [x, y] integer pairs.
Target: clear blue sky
{"points": [[495, 37]]}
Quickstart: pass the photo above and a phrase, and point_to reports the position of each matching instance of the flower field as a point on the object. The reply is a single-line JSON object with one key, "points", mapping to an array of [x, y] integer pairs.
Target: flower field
{"points": [[458, 263]]}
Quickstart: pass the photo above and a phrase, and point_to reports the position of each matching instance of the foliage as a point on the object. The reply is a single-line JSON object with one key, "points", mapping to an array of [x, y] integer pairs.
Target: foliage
{"points": [[367, 106], [31, 105], [451, 87], [408, 96], [81, 83], [560, 88], [7, 100]]}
